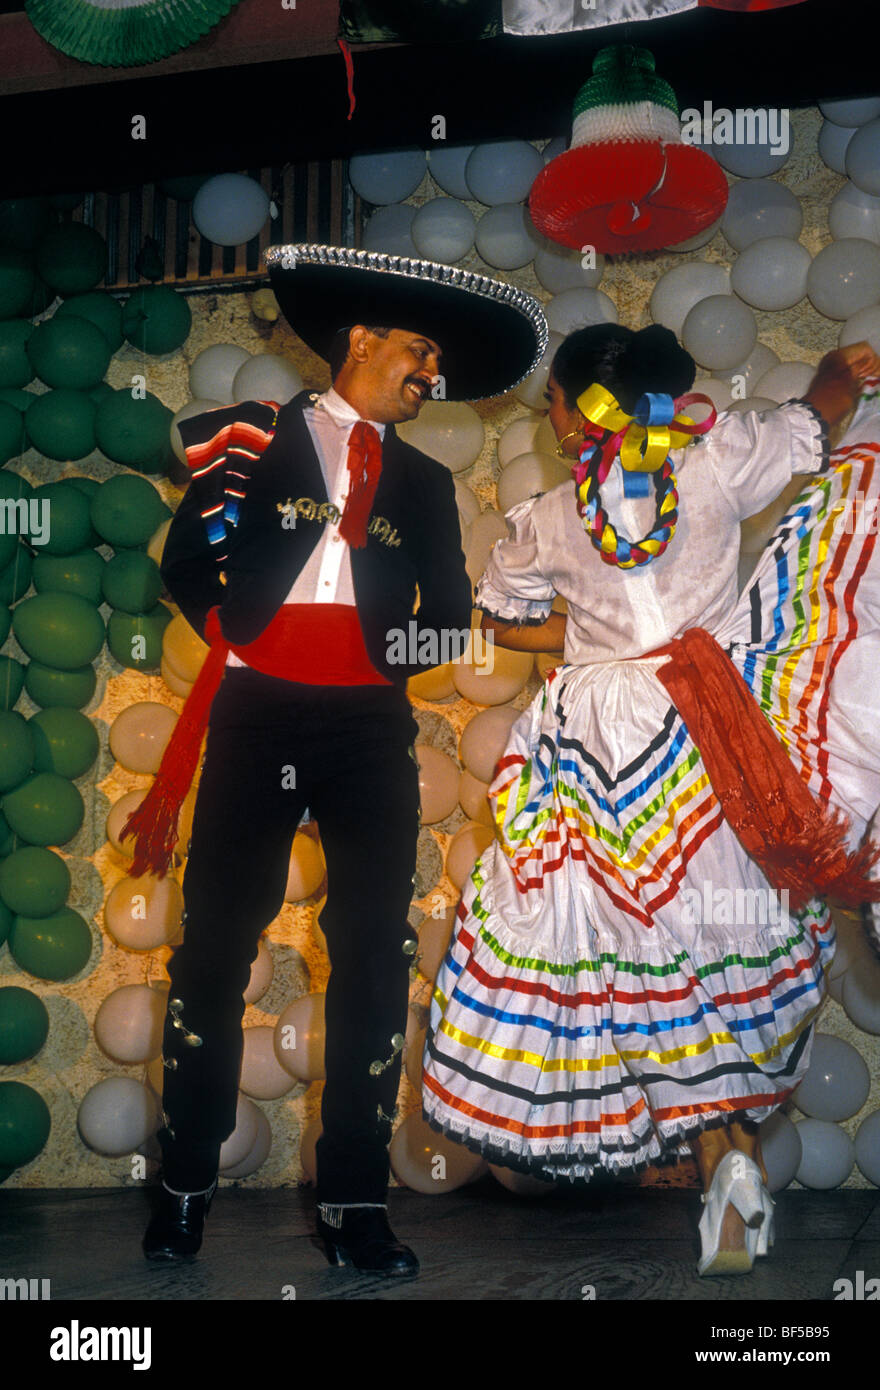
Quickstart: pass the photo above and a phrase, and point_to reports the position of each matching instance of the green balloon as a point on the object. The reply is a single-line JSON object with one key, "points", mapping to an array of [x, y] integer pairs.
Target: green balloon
{"points": [[17, 282], [6, 920], [34, 882], [47, 686], [16, 749], [15, 579], [65, 741], [8, 547], [100, 392], [16, 368], [5, 623], [72, 258], [25, 1123], [65, 202], [102, 310], [127, 510], [87, 485], [60, 630], [11, 681], [65, 516], [24, 1025], [61, 424], [13, 436], [79, 573], [183, 187], [14, 395], [69, 351], [23, 221], [41, 298], [136, 640], [52, 948], [131, 430], [156, 319], [44, 810], [132, 582], [13, 484]]}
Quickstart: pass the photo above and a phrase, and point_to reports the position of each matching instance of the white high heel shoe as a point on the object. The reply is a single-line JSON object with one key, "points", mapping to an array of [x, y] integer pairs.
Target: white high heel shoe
{"points": [[737, 1182], [767, 1229]]}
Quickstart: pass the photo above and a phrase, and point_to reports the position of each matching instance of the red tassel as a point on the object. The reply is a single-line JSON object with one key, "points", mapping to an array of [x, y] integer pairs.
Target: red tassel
{"points": [[349, 74]]}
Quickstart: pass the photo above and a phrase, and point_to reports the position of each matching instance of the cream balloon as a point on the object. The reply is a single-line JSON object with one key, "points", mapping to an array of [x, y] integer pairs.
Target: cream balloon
{"points": [[154, 1075], [317, 930], [116, 1116], [832, 145], [579, 308], [506, 237], [867, 1147], [467, 502], [449, 431], [429, 1162], [306, 870], [558, 268], [747, 373], [443, 230], [719, 392], [786, 381], [854, 214], [188, 412], [183, 648], [502, 171], [129, 1023], [780, 1150], [531, 475], [845, 277], [435, 684], [139, 734], [827, 1155], [258, 1154], [414, 1061], [473, 799], [488, 528], [851, 111], [863, 158], [698, 240], [156, 543], [484, 740], [837, 1081], [308, 1145], [173, 681], [679, 289], [144, 913], [238, 1145], [438, 784], [446, 165], [212, 372], [862, 327], [522, 1184], [389, 229], [185, 821], [262, 1075], [496, 676], [299, 1037], [861, 999], [719, 331], [266, 377], [262, 970], [755, 403], [517, 438], [435, 934], [118, 815], [760, 208], [545, 438], [532, 391], [464, 850], [771, 273]]}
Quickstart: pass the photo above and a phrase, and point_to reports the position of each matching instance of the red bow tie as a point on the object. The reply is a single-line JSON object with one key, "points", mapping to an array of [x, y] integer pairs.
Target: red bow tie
{"points": [[364, 467]]}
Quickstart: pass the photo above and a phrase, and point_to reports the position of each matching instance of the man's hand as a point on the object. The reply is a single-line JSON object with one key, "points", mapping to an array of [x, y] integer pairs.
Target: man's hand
{"points": [[835, 388]]}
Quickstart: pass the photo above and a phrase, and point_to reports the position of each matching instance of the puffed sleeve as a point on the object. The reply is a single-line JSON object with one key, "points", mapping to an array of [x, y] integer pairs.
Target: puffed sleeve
{"points": [[513, 587], [753, 455]]}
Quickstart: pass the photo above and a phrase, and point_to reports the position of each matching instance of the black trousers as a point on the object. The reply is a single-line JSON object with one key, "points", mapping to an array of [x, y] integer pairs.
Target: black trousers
{"points": [[275, 748]]}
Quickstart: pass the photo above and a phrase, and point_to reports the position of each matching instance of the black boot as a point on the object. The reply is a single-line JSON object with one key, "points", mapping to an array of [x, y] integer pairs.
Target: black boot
{"points": [[175, 1232], [366, 1240]]}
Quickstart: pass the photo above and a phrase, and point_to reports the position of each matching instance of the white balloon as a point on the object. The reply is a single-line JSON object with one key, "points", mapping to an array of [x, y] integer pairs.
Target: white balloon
{"points": [[118, 815], [488, 528], [230, 209], [241, 1141], [257, 1155], [116, 1116], [719, 392], [694, 243], [845, 277], [854, 214], [530, 475], [467, 502], [464, 850], [851, 111], [532, 391], [262, 970], [771, 273], [300, 1036], [785, 382], [559, 268], [443, 230], [450, 431], [558, 145], [679, 289], [518, 437], [862, 327], [780, 1150], [760, 208], [446, 165], [863, 158], [212, 372], [868, 1147], [506, 236], [390, 230], [836, 1083], [747, 373], [752, 403], [502, 171], [719, 331], [266, 377], [129, 1023], [484, 739], [438, 783], [186, 412], [828, 1155], [861, 998], [139, 735], [523, 1184], [388, 177], [306, 868], [262, 1075], [577, 308], [472, 797], [833, 142], [764, 146], [144, 913], [492, 675]]}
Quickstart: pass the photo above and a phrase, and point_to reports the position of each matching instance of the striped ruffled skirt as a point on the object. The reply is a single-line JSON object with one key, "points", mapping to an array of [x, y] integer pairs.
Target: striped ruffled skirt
{"points": [[621, 973]]}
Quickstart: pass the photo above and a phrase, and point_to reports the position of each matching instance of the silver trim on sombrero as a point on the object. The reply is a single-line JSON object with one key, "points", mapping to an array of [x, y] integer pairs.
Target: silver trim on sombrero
{"points": [[348, 257]]}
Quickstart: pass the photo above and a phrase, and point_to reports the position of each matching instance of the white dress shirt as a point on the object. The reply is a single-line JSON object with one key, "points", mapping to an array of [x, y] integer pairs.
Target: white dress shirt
{"points": [[326, 575]]}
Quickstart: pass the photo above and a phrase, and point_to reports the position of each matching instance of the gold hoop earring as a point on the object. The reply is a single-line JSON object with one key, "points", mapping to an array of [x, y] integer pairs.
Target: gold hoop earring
{"points": [[572, 434]]}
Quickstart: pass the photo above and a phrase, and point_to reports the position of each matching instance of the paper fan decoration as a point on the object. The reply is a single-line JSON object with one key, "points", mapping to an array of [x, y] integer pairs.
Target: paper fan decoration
{"points": [[628, 182], [124, 33]]}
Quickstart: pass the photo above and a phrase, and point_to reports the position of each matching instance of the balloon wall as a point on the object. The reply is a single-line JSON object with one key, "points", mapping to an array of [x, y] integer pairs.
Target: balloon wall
{"points": [[96, 662]]}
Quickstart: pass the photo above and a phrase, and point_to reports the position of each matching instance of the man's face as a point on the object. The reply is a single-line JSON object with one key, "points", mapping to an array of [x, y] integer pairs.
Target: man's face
{"points": [[397, 374]]}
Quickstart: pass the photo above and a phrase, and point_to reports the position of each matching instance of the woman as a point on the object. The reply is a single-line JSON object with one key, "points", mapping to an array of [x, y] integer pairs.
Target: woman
{"points": [[625, 977]]}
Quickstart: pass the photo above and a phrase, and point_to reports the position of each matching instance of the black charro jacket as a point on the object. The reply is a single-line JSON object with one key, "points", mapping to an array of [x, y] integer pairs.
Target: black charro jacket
{"points": [[419, 546]]}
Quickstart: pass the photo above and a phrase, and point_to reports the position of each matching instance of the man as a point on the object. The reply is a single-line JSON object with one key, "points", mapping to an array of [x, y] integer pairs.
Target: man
{"points": [[298, 551]]}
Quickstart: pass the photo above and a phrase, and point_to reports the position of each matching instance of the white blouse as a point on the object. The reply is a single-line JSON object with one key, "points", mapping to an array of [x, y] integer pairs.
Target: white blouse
{"points": [[734, 471]]}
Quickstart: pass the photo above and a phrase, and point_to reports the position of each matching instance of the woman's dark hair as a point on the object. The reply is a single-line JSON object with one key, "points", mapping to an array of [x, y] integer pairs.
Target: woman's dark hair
{"points": [[626, 363]]}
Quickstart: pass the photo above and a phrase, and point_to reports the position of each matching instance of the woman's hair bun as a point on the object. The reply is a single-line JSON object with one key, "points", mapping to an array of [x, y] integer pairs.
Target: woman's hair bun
{"points": [[653, 360]]}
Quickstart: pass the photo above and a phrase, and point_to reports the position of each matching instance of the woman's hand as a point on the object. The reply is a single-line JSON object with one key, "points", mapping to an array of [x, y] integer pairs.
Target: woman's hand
{"points": [[548, 636], [836, 386]]}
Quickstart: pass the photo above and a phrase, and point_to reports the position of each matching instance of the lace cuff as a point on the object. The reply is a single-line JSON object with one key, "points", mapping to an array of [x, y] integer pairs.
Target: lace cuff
{"points": [[822, 443]]}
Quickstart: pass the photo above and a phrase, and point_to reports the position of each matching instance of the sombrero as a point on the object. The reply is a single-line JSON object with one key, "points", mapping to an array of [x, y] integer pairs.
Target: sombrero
{"points": [[628, 182], [492, 334]]}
